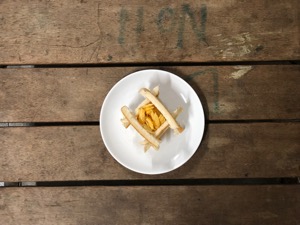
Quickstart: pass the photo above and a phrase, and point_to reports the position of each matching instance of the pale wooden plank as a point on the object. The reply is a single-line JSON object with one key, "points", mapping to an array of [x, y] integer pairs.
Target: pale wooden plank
{"points": [[227, 92], [151, 205], [77, 153], [46, 32]]}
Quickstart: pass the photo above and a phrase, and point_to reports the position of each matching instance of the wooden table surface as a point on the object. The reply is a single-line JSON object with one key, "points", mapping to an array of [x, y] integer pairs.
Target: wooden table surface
{"points": [[58, 61]]}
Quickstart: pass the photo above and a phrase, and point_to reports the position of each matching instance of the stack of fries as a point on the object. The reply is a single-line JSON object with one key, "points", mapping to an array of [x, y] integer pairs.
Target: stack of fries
{"points": [[151, 118]]}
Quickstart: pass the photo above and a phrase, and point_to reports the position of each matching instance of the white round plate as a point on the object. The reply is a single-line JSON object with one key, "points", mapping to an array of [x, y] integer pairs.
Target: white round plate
{"points": [[125, 144]]}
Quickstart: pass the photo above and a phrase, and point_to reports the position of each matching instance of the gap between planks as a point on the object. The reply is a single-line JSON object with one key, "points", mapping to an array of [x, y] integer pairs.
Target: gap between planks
{"points": [[159, 182], [96, 123], [212, 63]]}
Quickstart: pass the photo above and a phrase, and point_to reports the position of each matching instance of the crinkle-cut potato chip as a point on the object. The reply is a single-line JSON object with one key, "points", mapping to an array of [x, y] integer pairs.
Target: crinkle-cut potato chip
{"points": [[155, 119], [149, 121], [142, 116], [149, 115]]}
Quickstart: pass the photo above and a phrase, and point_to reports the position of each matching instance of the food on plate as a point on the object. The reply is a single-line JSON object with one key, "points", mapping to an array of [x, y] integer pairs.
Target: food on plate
{"points": [[155, 92], [151, 118], [139, 128], [158, 104], [162, 129]]}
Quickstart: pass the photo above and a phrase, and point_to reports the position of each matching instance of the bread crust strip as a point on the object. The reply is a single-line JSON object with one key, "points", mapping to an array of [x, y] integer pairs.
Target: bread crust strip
{"points": [[159, 105], [164, 127], [155, 92], [138, 127]]}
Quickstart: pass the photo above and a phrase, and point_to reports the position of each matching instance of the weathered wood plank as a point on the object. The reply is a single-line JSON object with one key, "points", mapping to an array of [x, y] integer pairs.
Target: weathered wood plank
{"points": [[151, 205], [77, 153], [227, 92], [45, 32]]}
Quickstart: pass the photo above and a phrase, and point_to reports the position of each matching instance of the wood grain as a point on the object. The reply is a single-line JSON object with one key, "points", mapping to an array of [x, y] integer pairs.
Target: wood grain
{"points": [[78, 153], [151, 205], [76, 94], [47, 32]]}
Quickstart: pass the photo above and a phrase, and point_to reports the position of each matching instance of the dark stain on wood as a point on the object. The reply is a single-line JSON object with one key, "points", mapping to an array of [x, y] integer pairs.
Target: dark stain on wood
{"points": [[200, 32]]}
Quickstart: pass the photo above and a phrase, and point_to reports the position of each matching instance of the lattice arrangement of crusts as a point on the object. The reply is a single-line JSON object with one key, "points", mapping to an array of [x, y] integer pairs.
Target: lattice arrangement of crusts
{"points": [[151, 118]]}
